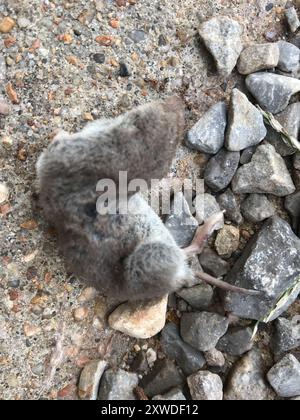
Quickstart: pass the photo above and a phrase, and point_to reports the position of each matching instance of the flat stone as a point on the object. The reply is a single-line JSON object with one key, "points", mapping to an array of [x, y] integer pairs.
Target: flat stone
{"points": [[117, 385], [213, 264], [228, 202], [257, 208], [222, 37], [202, 330], [227, 241], [221, 169], [272, 91], [208, 134], [292, 205], [90, 379], [258, 57], [206, 205], [270, 263], [214, 358], [174, 395], [246, 126], [289, 57], [286, 336], [140, 319], [247, 380], [292, 19], [265, 174], [180, 222], [187, 358], [205, 386], [163, 377], [198, 297], [236, 341], [290, 120], [285, 377]]}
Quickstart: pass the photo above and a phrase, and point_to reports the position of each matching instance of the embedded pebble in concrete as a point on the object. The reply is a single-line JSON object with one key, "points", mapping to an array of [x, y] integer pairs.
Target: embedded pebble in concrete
{"points": [[4, 193], [258, 57]]}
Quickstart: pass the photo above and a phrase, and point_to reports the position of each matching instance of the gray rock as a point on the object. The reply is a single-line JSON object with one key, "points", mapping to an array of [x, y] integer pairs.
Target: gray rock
{"points": [[205, 386], [117, 385], [265, 174], [163, 377], [138, 35], [290, 120], [297, 161], [174, 395], [198, 297], [247, 380], [258, 57], [90, 379], [221, 169], [202, 330], [257, 208], [214, 358], [286, 336], [180, 221], [285, 377], [208, 134], [271, 264], [228, 202], [246, 124], [292, 19], [247, 155], [272, 91], [227, 241], [206, 205], [292, 205], [222, 37], [289, 57], [2, 68], [140, 363], [213, 264], [187, 358], [236, 341]]}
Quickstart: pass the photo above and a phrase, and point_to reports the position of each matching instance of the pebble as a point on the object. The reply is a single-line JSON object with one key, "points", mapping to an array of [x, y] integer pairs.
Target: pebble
{"points": [[247, 155], [212, 263], [257, 208], [285, 377], [151, 357], [87, 295], [123, 70], [188, 359], [116, 385], [140, 319], [289, 57], [23, 22], [272, 91], [90, 379], [247, 380], [265, 174], [221, 169], [263, 266], [206, 205], [6, 25], [286, 336], [198, 297], [99, 58], [202, 330], [228, 202], [205, 386], [137, 36], [236, 341], [258, 57], [4, 108], [246, 126], [2, 68], [4, 193], [292, 19], [80, 314], [31, 330], [180, 222], [163, 377], [214, 358], [227, 241], [222, 37], [208, 134], [292, 205], [174, 394]]}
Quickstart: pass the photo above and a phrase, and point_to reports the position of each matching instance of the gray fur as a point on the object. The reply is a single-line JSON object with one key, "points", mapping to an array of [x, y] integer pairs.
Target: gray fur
{"points": [[127, 256]]}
